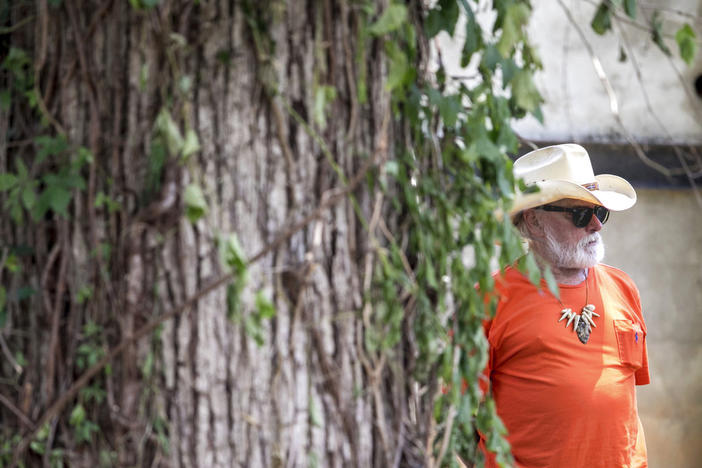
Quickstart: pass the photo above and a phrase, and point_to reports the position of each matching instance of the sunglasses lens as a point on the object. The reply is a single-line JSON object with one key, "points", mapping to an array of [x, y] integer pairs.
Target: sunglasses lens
{"points": [[602, 214], [582, 216]]}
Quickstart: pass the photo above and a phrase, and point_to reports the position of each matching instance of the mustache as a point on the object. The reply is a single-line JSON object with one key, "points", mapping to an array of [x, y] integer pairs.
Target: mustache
{"points": [[594, 237]]}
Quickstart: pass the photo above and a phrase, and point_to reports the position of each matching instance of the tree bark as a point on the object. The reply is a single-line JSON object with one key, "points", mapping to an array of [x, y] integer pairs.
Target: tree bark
{"points": [[309, 394]]}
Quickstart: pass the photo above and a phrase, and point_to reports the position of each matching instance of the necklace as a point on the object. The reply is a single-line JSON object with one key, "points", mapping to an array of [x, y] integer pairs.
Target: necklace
{"points": [[583, 322]]}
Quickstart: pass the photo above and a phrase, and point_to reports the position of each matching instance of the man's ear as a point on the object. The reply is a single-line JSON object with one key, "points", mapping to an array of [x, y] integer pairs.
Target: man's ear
{"points": [[532, 223]]}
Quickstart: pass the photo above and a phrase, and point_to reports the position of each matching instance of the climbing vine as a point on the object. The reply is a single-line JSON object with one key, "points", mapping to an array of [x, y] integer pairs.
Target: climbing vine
{"points": [[430, 201]]}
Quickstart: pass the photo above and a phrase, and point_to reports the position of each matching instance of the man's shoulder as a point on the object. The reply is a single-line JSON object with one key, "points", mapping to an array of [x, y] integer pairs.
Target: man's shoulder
{"points": [[508, 275], [613, 272], [616, 275]]}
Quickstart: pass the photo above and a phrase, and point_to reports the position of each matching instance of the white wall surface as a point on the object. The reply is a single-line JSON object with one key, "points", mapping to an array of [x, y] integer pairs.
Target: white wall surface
{"points": [[654, 94], [659, 244]]}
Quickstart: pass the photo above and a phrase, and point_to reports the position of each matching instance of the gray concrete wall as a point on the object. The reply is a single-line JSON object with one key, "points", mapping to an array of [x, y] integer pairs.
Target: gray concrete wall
{"points": [[659, 243]]}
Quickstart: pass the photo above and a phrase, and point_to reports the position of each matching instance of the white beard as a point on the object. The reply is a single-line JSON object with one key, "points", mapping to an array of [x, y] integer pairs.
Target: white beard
{"points": [[580, 255]]}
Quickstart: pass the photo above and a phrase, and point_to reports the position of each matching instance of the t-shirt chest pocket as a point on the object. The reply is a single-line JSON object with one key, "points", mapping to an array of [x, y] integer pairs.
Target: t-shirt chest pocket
{"points": [[630, 341]]}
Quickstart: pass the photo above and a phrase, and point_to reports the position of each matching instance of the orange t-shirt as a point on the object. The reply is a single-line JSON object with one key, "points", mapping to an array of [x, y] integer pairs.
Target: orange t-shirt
{"points": [[564, 403]]}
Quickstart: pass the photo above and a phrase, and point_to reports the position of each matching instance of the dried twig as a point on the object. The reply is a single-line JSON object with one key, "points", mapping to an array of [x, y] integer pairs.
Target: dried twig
{"points": [[613, 103]]}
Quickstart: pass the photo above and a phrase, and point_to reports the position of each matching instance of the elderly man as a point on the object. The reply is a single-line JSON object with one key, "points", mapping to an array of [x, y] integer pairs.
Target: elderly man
{"points": [[563, 370]]}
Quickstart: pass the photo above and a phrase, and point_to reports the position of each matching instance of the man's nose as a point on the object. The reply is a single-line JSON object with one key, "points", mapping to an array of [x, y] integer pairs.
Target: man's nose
{"points": [[594, 225]]}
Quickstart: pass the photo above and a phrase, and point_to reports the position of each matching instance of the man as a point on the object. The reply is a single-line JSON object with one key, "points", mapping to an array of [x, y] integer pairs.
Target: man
{"points": [[563, 370]]}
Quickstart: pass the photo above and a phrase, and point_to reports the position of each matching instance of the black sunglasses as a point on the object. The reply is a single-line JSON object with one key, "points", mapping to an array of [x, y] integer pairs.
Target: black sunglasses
{"points": [[581, 214]]}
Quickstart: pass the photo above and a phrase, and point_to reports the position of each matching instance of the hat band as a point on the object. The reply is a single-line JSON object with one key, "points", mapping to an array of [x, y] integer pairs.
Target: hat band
{"points": [[592, 186]]}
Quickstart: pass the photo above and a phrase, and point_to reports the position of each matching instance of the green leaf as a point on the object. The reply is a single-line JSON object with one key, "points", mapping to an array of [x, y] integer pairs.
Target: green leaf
{"points": [[531, 268], [195, 203], [185, 83], [84, 293], [314, 412], [630, 8], [77, 415], [166, 126], [264, 306], [443, 17], [657, 32], [191, 144], [399, 66], [392, 18], [22, 171], [622, 54], [7, 181], [685, 37], [12, 263], [29, 197], [449, 107], [491, 57], [323, 96], [552, 283], [524, 91], [57, 198], [516, 18], [143, 74], [233, 254], [473, 41], [5, 99], [602, 21], [50, 146]]}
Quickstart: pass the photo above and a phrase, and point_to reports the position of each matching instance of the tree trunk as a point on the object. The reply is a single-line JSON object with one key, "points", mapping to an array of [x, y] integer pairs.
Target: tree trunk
{"points": [[274, 91]]}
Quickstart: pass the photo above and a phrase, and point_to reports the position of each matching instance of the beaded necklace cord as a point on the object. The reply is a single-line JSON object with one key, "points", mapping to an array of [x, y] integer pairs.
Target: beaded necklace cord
{"points": [[583, 322]]}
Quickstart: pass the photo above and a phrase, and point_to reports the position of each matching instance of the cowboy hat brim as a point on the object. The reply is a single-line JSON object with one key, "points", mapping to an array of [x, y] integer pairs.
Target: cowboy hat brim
{"points": [[614, 193]]}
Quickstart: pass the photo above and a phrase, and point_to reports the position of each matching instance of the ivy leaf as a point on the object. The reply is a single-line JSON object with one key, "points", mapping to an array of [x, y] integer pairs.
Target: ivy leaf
{"points": [[442, 18], [473, 40], [509, 68], [77, 415], [7, 181], [657, 33], [264, 306], [55, 197], [191, 144], [449, 107], [525, 92], [622, 54], [685, 37], [602, 21], [233, 254], [50, 146], [166, 126], [516, 18], [323, 96], [392, 18], [531, 268], [630, 8], [399, 66], [28, 197], [5, 99], [195, 203], [491, 57], [551, 283]]}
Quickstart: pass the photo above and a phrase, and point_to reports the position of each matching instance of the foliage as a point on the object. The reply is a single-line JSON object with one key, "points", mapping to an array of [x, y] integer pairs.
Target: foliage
{"points": [[73, 224], [685, 36], [449, 180]]}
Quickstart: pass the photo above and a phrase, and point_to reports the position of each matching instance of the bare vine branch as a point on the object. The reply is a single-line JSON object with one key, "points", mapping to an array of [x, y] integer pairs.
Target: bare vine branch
{"points": [[614, 105]]}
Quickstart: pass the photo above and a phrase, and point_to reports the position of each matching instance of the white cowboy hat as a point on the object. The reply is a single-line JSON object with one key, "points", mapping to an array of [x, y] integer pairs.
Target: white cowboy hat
{"points": [[565, 171]]}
